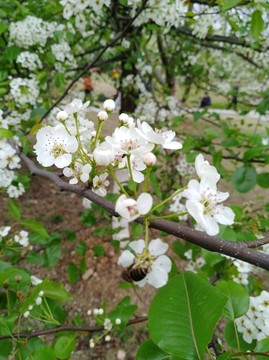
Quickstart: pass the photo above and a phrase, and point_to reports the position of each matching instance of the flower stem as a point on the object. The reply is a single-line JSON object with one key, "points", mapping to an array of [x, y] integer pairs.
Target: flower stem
{"points": [[111, 172], [168, 216], [166, 200], [146, 232], [99, 127], [131, 174], [146, 182]]}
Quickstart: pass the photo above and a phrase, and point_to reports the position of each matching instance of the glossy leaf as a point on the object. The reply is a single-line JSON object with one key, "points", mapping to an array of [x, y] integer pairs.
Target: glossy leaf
{"points": [[238, 302], [150, 351], [179, 312], [64, 346], [257, 23], [244, 178]]}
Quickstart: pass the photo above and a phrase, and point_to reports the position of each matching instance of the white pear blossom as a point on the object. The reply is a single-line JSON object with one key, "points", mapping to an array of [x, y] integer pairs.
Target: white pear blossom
{"points": [[131, 209], [109, 105], [79, 172], [4, 230], [22, 238], [35, 280], [129, 141], [75, 106], [152, 258], [55, 146], [100, 184], [203, 199], [15, 191], [104, 154], [158, 137], [254, 325]]}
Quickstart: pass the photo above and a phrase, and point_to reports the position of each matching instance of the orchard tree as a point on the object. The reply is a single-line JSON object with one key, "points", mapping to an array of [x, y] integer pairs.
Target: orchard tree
{"points": [[166, 156]]}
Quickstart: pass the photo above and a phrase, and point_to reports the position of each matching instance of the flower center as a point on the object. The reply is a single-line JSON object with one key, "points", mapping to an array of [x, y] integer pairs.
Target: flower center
{"points": [[129, 144], [57, 150]]}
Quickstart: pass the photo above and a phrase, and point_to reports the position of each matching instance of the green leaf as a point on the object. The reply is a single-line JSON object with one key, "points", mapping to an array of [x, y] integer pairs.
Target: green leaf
{"points": [[235, 339], [14, 209], [51, 290], [64, 346], [81, 248], [98, 250], [137, 230], [229, 4], [10, 276], [73, 272], [244, 178], [11, 53], [124, 311], [238, 302], [150, 351], [3, 27], [6, 347], [5, 133], [257, 24], [51, 255], [262, 346], [43, 353], [263, 180], [88, 218], [179, 312], [35, 225]]}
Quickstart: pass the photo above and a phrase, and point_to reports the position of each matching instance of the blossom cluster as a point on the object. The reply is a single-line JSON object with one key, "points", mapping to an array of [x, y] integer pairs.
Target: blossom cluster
{"points": [[76, 148], [29, 60], [31, 31], [254, 325], [24, 91], [9, 162]]}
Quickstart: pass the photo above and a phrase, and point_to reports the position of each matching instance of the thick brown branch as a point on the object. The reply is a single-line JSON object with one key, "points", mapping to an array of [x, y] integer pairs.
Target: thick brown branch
{"points": [[87, 329], [240, 250]]}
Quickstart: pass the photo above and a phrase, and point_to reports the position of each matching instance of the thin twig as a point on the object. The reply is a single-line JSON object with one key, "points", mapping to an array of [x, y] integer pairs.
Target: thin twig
{"points": [[88, 329]]}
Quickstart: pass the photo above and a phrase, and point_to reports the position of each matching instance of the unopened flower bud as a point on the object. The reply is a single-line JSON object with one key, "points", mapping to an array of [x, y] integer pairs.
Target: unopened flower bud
{"points": [[41, 293], [30, 307], [38, 300], [100, 311], [124, 117], [96, 311], [107, 338], [62, 116], [150, 159], [6, 284], [118, 321], [89, 312], [92, 344], [26, 314], [102, 116], [109, 105]]}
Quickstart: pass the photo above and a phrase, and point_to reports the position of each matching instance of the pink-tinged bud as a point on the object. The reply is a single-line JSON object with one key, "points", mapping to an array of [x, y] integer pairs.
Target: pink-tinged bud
{"points": [[150, 159], [109, 105], [124, 117], [102, 116], [62, 116]]}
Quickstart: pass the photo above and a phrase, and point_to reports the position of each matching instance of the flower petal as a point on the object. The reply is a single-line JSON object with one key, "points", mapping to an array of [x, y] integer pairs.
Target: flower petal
{"points": [[224, 215], [158, 277], [144, 203], [138, 246], [157, 247], [164, 262], [126, 259], [63, 160]]}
